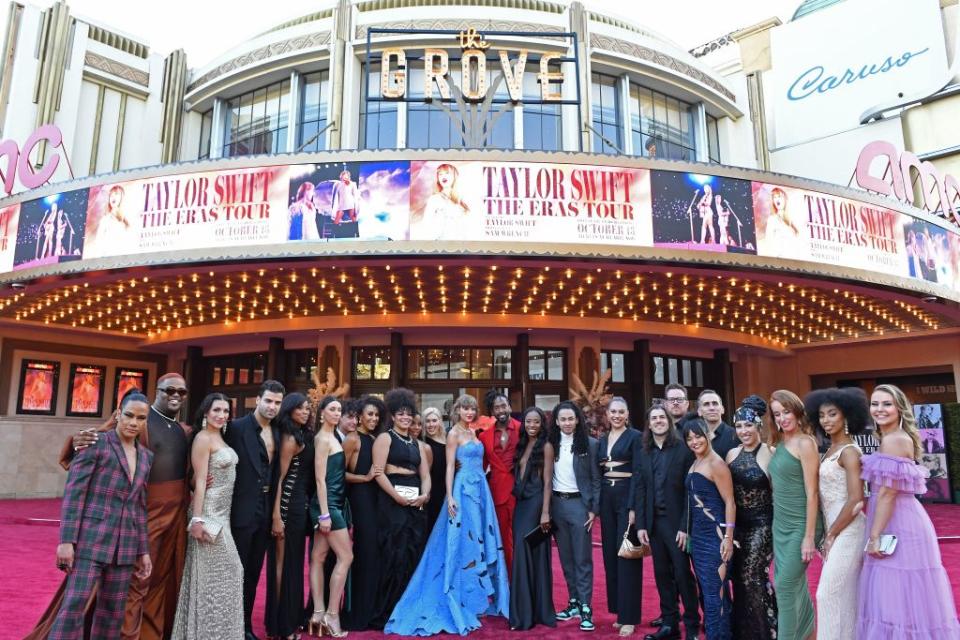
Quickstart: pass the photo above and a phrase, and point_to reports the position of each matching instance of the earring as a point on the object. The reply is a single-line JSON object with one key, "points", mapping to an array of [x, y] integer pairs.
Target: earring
{"points": [[203, 423], [846, 428]]}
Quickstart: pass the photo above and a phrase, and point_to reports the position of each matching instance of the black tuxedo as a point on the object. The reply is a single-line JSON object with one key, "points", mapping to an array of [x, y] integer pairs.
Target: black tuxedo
{"points": [[252, 509], [671, 566]]}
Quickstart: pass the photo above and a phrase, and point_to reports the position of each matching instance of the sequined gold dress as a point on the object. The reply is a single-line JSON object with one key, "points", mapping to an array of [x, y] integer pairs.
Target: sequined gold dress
{"points": [[210, 606]]}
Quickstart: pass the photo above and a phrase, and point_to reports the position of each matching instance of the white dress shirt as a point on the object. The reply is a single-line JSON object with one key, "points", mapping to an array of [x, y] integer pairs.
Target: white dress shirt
{"points": [[564, 479]]}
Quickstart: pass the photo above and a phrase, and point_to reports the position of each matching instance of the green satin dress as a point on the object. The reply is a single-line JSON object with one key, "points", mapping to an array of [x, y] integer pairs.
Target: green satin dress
{"points": [[336, 481], [795, 617]]}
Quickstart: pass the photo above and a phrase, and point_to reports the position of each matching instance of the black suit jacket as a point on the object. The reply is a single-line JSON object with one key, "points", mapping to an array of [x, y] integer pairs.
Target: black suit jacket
{"points": [[586, 469], [678, 459], [243, 436]]}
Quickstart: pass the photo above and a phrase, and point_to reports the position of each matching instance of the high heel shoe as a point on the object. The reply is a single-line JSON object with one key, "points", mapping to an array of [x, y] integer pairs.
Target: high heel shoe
{"points": [[315, 624], [331, 624]]}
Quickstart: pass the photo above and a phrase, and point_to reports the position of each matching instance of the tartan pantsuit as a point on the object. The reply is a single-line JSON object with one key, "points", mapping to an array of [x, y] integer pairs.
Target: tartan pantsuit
{"points": [[114, 580], [104, 517]]}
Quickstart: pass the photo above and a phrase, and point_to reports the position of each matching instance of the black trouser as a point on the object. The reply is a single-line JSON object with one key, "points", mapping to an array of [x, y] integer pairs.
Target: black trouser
{"points": [[624, 577], [671, 570], [252, 545]]}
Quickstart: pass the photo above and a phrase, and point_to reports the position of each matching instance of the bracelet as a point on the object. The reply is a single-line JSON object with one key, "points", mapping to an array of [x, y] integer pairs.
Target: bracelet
{"points": [[195, 519], [729, 525], [323, 516]]}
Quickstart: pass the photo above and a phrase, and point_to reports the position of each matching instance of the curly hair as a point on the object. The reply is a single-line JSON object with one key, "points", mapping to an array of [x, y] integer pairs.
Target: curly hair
{"points": [[851, 401], [672, 437], [581, 435], [399, 399], [377, 403]]}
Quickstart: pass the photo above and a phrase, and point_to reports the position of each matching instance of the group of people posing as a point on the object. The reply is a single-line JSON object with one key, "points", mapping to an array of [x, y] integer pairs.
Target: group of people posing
{"points": [[417, 529]]}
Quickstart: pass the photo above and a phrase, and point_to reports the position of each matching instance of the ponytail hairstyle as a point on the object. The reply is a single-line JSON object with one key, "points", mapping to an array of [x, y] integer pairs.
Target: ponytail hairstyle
{"points": [[907, 420]]}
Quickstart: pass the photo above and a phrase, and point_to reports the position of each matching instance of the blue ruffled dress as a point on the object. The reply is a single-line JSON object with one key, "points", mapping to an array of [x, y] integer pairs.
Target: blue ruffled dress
{"points": [[462, 574]]}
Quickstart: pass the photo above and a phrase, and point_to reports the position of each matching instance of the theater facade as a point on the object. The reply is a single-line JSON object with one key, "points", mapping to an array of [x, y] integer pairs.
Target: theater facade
{"points": [[448, 196]]}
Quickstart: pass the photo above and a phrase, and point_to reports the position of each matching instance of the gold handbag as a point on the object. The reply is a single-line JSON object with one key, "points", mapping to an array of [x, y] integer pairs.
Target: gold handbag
{"points": [[631, 551]]}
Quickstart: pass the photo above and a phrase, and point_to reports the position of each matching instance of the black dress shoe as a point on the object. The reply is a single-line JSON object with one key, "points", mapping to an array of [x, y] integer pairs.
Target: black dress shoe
{"points": [[250, 635], [657, 622], [665, 632], [692, 634]]}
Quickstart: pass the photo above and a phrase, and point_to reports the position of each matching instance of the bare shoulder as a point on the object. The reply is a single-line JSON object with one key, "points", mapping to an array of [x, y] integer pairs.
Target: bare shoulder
{"points": [[898, 443], [733, 453], [806, 445]]}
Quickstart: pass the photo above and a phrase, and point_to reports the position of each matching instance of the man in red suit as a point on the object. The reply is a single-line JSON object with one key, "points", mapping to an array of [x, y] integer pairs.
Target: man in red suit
{"points": [[103, 531], [499, 448]]}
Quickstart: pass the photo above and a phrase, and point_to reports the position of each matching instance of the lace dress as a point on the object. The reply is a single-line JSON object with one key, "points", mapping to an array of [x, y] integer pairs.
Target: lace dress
{"points": [[837, 589], [754, 601], [211, 592], [462, 575], [906, 596]]}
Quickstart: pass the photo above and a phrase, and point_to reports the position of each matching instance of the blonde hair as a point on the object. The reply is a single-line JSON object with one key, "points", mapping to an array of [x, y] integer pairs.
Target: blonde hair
{"points": [[908, 421], [794, 405], [466, 401]]}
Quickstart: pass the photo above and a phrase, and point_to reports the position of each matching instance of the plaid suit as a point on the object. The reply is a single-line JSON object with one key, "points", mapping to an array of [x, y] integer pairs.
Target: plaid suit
{"points": [[104, 515]]}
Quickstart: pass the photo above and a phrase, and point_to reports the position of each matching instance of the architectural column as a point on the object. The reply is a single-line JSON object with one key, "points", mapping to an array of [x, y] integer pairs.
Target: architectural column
{"points": [[276, 359], [641, 377], [343, 25], [397, 376], [723, 379], [172, 93], [53, 53], [755, 59], [195, 375], [580, 25], [521, 369]]}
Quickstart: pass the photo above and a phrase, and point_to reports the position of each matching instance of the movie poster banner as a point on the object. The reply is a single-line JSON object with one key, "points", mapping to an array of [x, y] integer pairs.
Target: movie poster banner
{"points": [[128, 380], [928, 249], [529, 202], [349, 200], [702, 213], [86, 390], [51, 229], [38, 387], [192, 211], [817, 227], [934, 451], [9, 217]]}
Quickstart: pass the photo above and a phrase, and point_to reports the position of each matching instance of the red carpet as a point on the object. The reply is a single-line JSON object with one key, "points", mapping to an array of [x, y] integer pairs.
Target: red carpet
{"points": [[29, 532]]}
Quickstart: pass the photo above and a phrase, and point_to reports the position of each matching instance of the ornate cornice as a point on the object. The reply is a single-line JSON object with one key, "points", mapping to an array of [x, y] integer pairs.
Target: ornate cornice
{"points": [[118, 69], [300, 43], [616, 45], [458, 24], [714, 45]]}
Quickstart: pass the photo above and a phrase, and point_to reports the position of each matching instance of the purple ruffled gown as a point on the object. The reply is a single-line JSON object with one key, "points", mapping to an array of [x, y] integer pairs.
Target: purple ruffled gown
{"points": [[907, 595]]}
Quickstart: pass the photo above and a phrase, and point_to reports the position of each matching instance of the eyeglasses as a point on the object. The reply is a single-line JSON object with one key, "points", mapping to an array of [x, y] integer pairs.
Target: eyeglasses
{"points": [[173, 391], [676, 400]]}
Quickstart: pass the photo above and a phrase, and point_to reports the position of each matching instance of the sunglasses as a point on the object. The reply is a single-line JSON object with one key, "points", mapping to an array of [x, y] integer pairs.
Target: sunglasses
{"points": [[173, 391]]}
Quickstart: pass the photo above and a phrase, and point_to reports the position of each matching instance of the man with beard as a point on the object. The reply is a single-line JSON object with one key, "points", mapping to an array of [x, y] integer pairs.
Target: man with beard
{"points": [[677, 404], [152, 602], [499, 448], [255, 440]]}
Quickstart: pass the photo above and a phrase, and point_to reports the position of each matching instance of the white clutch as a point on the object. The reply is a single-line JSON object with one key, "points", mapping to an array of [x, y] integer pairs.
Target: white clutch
{"points": [[407, 493]]}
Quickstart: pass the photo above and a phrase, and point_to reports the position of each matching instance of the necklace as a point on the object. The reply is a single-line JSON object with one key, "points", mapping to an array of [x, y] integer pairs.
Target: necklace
{"points": [[408, 440], [170, 422]]}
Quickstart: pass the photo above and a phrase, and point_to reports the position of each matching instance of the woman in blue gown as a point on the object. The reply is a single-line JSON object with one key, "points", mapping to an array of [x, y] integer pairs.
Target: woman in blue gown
{"points": [[713, 513], [462, 574]]}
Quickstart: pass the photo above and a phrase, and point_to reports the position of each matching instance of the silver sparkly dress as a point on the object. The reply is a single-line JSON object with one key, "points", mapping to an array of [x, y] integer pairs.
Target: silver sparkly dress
{"points": [[210, 606]]}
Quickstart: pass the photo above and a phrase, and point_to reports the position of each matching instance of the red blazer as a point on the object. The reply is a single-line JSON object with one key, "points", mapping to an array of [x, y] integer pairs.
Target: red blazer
{"points": [[501, 472], [105, 514]]}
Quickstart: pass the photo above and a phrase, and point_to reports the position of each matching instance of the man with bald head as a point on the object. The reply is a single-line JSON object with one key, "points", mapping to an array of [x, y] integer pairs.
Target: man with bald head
{"points": [[151, 603]]}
